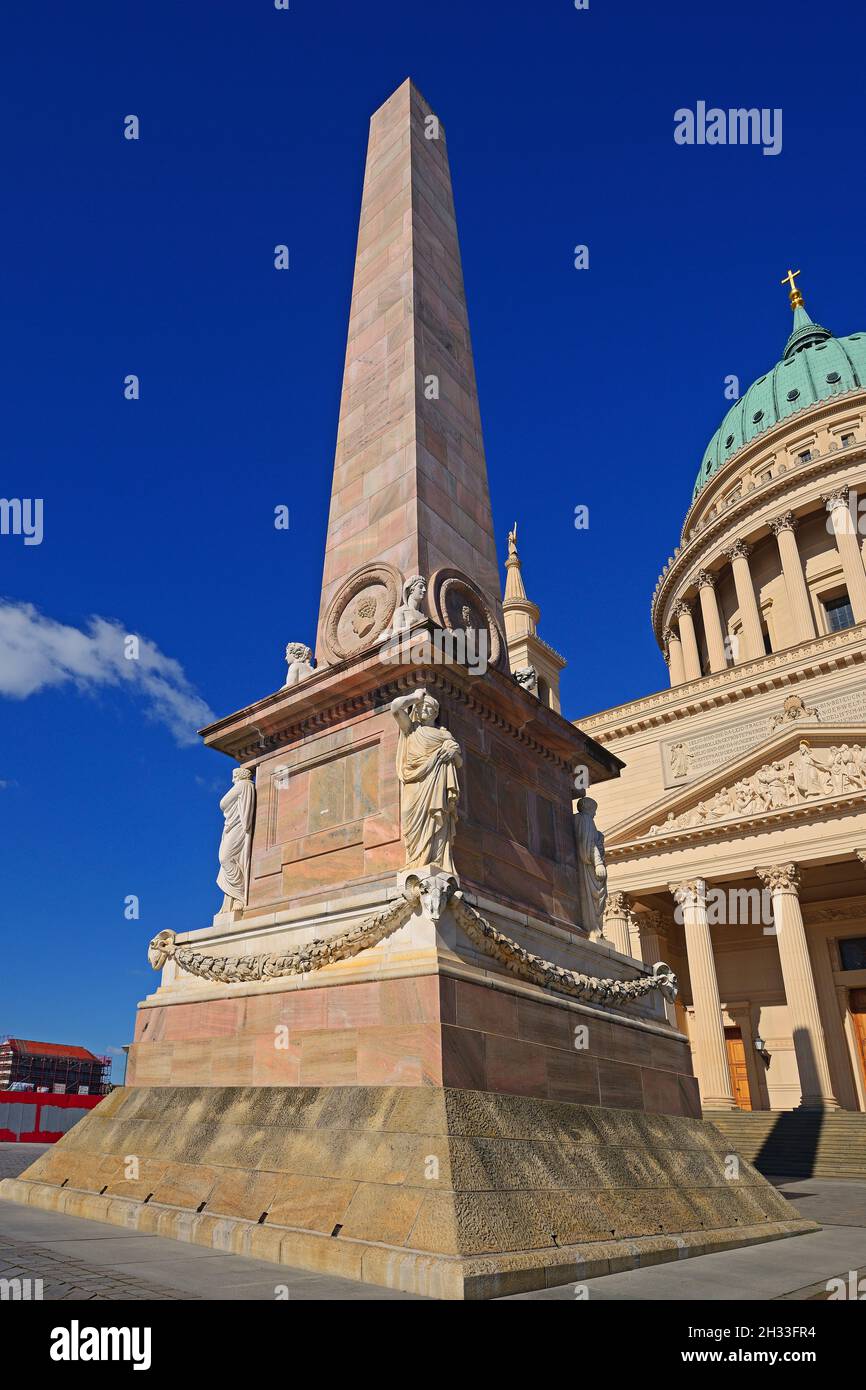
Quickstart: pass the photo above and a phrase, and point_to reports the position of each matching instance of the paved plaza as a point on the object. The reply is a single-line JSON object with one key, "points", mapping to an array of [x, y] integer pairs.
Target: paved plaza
{"points": [[78, 1260]]}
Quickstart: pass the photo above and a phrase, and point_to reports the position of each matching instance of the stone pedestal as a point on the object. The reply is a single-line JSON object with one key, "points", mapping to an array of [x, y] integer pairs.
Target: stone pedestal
{"points": [[450, 1193]]}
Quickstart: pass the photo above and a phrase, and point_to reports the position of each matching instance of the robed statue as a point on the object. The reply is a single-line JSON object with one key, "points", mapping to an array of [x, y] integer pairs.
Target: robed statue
{"points": [[238, 807], [427, 763], [591, 868]]}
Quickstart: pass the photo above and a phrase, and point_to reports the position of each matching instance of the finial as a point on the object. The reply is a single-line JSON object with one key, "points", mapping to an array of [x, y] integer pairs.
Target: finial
{"points": [[794, 294], [512, 543]]}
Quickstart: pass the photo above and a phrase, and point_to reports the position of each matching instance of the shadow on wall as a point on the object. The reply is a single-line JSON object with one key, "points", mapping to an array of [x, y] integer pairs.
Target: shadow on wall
{"points": [[791, 1148]]}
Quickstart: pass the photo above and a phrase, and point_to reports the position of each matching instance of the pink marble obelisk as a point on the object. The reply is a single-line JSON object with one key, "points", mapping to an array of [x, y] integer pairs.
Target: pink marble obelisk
{"points": [[410, 478]]}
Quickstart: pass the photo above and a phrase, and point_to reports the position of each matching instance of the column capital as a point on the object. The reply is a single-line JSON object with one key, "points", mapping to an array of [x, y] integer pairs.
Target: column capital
{"points": [[617, 905], [786, 522], [688, 891], [837, 498], [670, 635], [648, 917], [650, 921], [861, 855], [739, 550], [780, 878], [680, 607], [705, 579]]}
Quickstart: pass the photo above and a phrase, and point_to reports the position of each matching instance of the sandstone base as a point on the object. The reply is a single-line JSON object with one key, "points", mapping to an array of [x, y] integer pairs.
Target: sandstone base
{"points": [[451, 1193]]}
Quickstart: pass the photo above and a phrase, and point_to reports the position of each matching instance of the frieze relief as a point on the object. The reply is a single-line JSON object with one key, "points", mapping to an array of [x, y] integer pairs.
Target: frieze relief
{"points": [[809, 774], [685, 760]]}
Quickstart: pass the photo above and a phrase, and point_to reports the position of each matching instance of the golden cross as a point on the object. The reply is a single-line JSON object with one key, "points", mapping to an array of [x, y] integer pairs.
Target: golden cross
{"points": [[795, 296]]}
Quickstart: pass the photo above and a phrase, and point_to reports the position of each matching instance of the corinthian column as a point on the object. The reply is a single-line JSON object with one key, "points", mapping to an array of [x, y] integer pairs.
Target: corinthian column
{"points": [[848, 545], [691, 655], [674, 655], [783, 882], [616, 918], [802, 620], [753, 634], [711, 1058], [706, 582]]}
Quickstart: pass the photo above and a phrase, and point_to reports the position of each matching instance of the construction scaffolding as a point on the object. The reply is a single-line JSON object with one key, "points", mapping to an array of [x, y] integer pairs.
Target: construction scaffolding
{"points": [[53, 1067]]}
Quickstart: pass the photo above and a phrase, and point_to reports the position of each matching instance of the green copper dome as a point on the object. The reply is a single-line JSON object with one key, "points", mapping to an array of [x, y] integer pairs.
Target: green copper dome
{"points": [[815, 367]]}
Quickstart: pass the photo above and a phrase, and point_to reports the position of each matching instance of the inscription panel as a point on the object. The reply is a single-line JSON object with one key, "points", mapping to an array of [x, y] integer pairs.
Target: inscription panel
{"points": [[684, 760], [334, 792], [344, 789]]}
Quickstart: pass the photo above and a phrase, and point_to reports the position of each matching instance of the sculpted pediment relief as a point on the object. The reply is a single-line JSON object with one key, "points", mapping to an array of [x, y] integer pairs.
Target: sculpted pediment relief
{"points": [[786, 775]]}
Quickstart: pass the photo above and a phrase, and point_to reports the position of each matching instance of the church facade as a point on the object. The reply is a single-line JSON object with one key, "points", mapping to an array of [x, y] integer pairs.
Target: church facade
{"points": [[736, 836]]}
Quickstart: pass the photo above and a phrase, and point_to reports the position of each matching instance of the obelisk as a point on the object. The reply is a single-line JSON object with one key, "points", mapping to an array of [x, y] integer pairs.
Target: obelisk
{"points": [[395, 1053], [410, 478]]}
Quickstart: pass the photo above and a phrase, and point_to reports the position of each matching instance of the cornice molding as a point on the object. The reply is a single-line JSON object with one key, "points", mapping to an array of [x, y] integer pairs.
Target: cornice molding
{"points": [[776, 670], [248, 743], [755, 823]]}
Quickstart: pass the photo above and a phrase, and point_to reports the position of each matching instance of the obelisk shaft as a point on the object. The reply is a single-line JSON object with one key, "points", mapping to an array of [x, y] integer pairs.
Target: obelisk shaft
{"points": [[410, 478]]}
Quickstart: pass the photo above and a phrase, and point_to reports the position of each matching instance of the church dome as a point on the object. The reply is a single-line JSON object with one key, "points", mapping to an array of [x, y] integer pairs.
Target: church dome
{"points": [[815, 366]]}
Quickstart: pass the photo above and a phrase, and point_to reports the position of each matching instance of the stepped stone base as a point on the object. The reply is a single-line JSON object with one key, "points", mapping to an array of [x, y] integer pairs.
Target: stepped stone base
{"points": [[451, 1193]]}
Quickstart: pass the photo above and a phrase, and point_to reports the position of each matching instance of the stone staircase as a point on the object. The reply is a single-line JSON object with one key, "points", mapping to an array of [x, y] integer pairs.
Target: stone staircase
{"points": [[798, 1143]]}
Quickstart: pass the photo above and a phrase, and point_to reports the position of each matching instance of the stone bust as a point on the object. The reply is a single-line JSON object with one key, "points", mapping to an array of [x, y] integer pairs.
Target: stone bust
{"points": [[300, 660], [527, 678], [409, 613]]}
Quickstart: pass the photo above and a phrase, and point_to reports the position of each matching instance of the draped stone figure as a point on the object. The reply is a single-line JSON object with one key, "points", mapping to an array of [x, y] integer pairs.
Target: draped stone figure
{"points": [[427, 762], [238, 807], [591, 868]]}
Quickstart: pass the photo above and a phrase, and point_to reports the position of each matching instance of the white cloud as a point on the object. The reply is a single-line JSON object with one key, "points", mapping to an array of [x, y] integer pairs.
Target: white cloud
{"points": [[37, 652]]}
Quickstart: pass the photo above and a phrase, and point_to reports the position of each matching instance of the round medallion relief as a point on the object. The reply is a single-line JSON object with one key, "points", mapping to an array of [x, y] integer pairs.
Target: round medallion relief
{"points": [[360, 610], [459, 606]]}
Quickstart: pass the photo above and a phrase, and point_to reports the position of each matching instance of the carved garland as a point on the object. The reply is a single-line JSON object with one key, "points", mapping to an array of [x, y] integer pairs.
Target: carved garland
{"points": [[315, 954], [539, 971], [312, 955]]}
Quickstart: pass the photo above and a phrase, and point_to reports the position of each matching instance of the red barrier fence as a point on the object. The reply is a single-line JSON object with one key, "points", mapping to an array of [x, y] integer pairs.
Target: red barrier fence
{"points": [[40, 1117]]}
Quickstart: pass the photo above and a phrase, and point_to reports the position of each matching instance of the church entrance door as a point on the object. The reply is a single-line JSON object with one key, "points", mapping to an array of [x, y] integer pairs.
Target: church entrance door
{"points": [[737, 1067]]}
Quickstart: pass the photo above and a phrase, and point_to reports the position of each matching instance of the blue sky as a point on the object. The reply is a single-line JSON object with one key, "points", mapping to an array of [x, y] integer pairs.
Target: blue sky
{"points": [[155, 257]]}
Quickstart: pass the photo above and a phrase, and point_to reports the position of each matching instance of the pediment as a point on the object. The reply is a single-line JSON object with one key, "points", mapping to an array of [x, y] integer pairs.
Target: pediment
{"points": [[800, 768]]}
